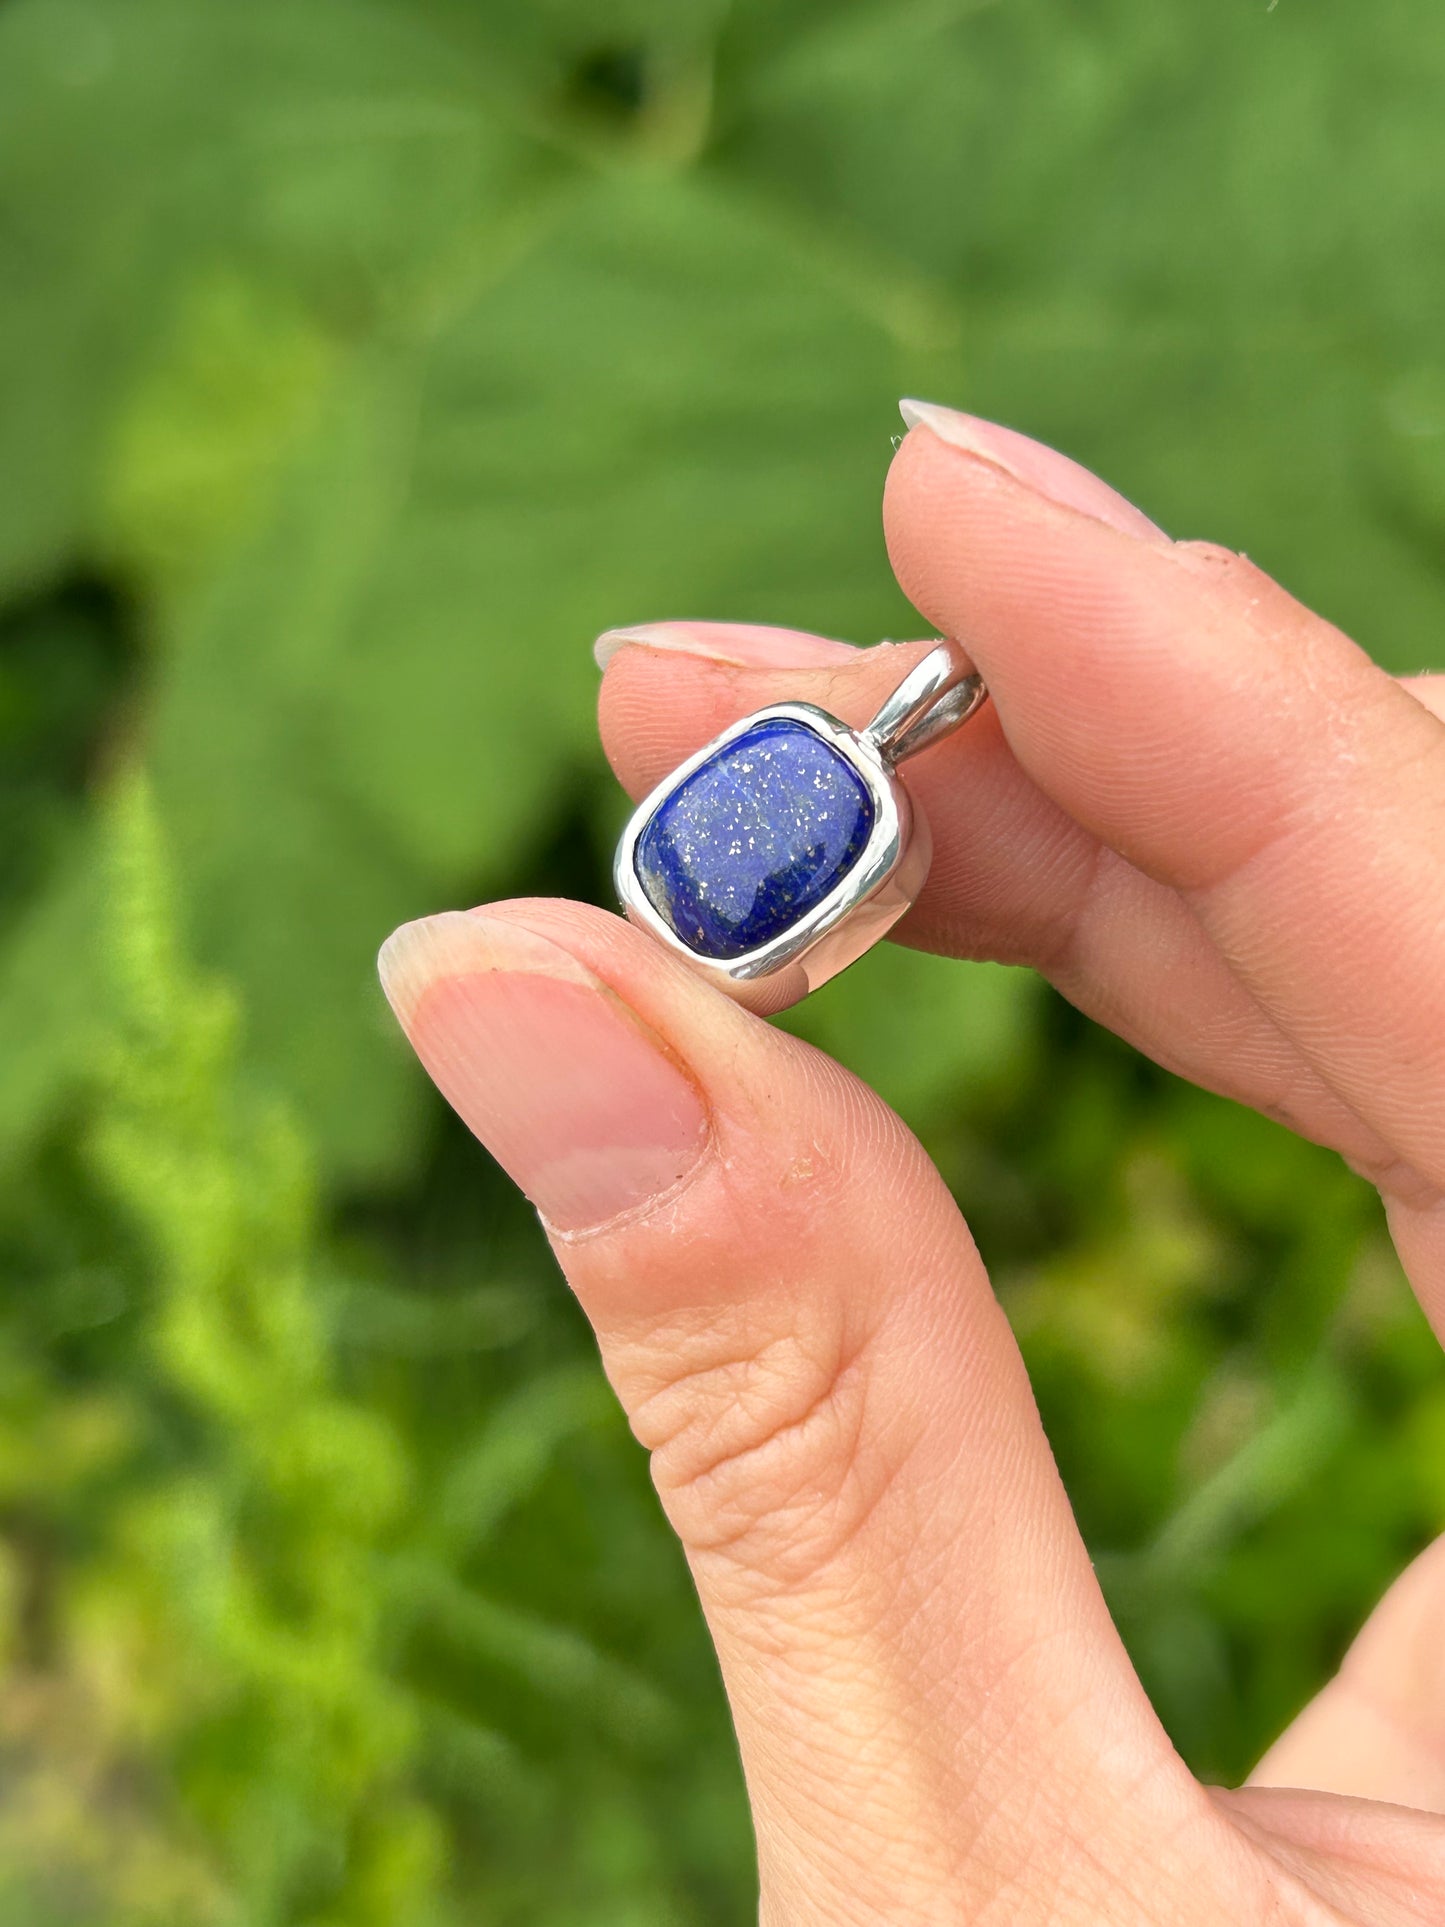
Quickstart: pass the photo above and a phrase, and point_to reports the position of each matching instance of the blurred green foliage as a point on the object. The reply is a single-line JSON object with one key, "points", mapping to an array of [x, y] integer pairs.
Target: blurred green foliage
{"points": [[361, 359]]}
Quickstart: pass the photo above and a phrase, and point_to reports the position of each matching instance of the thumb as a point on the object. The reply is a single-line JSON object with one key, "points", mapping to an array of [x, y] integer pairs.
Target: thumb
{"points": [[936, 1718]]}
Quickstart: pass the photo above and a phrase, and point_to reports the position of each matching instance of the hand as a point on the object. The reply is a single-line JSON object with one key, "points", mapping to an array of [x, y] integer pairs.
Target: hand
{"points": [[1217, 827]]}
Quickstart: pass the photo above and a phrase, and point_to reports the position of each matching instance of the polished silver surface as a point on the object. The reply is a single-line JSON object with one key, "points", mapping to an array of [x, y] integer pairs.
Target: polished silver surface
{"points": [[933, 699], [937, 696]]}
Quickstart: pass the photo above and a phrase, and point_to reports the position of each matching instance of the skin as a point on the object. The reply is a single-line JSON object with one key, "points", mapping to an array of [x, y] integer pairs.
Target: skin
{"points": [[1216, 826]]}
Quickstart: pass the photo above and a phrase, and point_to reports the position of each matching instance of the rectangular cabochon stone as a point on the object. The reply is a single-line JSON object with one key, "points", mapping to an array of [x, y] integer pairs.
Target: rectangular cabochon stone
{"points": [[753, 839]]}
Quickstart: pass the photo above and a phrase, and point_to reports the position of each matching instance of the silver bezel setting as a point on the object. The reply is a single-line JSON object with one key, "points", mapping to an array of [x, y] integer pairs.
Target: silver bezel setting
{"points": [[860, 908]]}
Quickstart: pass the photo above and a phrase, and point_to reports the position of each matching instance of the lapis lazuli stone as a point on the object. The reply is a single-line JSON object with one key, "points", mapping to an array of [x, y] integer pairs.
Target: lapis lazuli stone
{"points": [[753, 839]]}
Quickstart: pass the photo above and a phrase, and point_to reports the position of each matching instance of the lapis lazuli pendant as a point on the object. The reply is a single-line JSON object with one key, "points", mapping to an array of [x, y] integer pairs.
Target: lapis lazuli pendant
{"points": [[788, 845]]}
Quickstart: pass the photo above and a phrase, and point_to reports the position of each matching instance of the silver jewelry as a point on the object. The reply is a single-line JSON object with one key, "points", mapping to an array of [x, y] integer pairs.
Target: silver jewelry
{"points": [[788, 845]]}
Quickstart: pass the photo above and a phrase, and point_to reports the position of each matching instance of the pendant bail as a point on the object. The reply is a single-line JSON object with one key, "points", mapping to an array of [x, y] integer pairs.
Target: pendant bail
{"points": [[941, 693]]}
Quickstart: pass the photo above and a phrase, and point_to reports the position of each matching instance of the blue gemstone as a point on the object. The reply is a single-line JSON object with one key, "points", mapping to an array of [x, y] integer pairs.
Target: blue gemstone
{"points": [[753, 839]]}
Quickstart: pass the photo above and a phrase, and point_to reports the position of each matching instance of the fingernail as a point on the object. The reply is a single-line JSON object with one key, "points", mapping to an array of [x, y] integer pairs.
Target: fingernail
{"points": [[572, 1093], [741, 645], [1044, 470]]}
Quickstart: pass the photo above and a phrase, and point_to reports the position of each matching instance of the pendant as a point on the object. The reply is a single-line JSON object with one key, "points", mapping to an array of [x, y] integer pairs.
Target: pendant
{"points": [[788, 845]]}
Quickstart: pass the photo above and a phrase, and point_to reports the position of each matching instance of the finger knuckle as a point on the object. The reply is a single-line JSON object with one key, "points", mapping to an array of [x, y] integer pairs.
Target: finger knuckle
{"points": [[761, 1447], [1401, 1181]]}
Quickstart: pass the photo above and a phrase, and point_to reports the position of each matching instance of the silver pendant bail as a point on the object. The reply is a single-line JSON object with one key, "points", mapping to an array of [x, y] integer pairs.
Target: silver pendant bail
{"points": [[933, 699]]}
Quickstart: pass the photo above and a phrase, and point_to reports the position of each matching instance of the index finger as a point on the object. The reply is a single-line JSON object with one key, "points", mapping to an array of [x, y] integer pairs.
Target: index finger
{"points": [[1220, 737]]}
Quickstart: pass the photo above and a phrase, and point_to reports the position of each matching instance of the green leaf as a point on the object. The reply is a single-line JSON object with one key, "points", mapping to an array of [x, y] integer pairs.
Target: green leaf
{"points": [[522, 1436]]}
